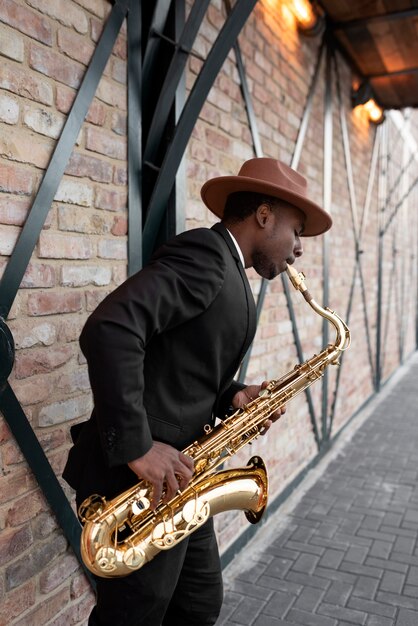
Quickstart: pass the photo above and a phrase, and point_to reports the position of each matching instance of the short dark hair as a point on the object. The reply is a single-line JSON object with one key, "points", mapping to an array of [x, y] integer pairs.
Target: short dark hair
{"points": [[241, 204]]}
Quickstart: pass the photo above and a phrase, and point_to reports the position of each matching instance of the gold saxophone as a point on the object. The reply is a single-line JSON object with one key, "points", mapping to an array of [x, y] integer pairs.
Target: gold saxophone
{"points": [[123, 534]]}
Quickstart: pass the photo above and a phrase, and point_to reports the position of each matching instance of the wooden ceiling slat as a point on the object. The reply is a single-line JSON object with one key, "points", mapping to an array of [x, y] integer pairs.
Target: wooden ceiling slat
{"points": [[381, 39]]}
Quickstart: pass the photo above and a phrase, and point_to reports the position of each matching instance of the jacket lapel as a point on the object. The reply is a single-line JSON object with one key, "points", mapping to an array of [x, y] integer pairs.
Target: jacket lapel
{"points": [[251, 309]]}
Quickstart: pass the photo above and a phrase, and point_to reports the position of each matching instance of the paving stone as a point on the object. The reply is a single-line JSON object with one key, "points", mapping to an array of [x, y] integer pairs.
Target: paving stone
{"points": [[247, 611], [279, 604], [305, 618], [370, 607], [366, 587], [392, 581], [348, 555], [407, 618]]}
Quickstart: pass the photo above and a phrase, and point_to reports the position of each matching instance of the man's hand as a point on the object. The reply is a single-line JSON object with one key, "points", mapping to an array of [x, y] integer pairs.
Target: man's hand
{"points": [[251, 393], [163, 466]]}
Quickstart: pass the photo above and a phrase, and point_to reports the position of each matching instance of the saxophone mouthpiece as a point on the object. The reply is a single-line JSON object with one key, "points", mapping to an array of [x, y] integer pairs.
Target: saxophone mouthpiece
{"points": [[298, 281]]}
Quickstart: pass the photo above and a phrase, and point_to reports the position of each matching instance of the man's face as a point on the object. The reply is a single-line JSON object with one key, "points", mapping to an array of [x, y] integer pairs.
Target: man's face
{"points": [[279, 241]]}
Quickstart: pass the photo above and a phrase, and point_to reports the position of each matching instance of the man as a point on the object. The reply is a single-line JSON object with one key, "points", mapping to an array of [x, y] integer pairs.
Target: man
{"points": [[162, 351]]}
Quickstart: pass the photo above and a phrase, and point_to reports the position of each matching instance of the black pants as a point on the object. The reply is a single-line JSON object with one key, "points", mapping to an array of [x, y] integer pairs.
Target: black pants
{"points": [[182, 585]]}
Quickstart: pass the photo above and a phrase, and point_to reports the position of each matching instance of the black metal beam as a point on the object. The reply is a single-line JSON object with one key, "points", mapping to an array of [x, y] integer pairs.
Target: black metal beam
{"points": [[172, 79], [327, 193], [375, 19], [134, 139], [410, 70], [189, 115]]}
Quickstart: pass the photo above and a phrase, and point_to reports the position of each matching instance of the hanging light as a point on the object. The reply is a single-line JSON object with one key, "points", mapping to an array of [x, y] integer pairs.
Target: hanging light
{"points": [[374, 111], [308, 19], [362, 99]]}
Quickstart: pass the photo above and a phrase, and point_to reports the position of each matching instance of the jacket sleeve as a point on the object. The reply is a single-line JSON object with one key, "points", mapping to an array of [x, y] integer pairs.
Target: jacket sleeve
{"points": [[182, 280]]}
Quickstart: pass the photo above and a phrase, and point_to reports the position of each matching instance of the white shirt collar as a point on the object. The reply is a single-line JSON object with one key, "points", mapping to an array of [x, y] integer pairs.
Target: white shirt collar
{"points": [[241, 256]]}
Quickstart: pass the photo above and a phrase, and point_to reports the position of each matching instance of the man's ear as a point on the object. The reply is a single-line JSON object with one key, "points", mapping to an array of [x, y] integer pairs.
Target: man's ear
{"points": [[263, 214]]}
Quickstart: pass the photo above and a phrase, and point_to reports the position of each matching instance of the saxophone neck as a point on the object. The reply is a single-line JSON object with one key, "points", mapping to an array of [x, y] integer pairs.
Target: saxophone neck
{"points": [[343, 333]]}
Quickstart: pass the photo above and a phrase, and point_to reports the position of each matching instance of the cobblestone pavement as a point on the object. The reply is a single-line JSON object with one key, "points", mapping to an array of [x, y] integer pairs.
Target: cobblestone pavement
{"points": [[345, 550]]}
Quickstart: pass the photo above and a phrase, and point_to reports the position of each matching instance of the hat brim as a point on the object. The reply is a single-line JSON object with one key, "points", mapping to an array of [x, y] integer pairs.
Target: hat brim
{"points": [[215, 192]]}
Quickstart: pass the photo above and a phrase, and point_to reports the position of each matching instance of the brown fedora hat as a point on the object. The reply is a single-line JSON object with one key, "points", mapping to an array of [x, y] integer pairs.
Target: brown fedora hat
{"points": [[273, 178]]}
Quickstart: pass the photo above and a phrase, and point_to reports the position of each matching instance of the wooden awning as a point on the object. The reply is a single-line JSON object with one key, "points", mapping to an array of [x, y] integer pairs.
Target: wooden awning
{"points": [[380, 38]]}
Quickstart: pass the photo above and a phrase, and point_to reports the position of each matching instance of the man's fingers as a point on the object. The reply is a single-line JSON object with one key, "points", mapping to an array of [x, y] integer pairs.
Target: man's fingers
{"points": [[157, 490]]}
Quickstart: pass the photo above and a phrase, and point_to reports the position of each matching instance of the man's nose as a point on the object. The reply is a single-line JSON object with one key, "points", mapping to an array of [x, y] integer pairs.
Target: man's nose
{"points": [[298, 250]]}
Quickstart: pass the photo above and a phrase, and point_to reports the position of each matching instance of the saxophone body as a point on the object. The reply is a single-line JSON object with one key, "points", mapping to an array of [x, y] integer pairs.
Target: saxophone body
{"points": [[122, 535]]}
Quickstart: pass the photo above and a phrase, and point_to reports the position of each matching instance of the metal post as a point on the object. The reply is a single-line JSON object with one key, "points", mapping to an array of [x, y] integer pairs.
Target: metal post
{"points": [[381, 208], [327, 196], [134, 139]]}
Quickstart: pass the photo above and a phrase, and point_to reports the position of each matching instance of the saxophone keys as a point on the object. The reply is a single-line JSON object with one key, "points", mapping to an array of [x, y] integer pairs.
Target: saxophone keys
{"points": [[134, 558], [140, 505]]}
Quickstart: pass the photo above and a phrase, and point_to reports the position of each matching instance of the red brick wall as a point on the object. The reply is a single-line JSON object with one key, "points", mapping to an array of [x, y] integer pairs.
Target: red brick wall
{"points": [[81, 253]]}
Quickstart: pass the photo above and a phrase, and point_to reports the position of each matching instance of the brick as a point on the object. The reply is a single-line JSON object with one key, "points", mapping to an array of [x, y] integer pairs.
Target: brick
{"points": [[93, 299], [17, 602], [120, 226], [43, 122], [75, 46], [112, 93], [90, 167], [102, 141], [9, 110], [65, 411], [59, 246], [60, 570], [14, 179], [73, 192], [97, 7], [119, 70], [13, 210], [78, 276], [112, 249], [79, 220], [39, 275], [26, 508], [67, 14], [13, 542], [46, 610], [23, 83], [111, 200], [11, 45], [30, 392], [50, 303], [13, 485], [72, 382], [27, 336], [32, 563], [41, 360], [120, 176], [55, 66], [43, 525], [65, 98], [119, 123], [26, 21], [8, 238], [18, 146]]}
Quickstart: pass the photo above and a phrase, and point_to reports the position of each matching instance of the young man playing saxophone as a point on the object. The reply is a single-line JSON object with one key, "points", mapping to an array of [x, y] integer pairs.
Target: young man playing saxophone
{"points": [[162, 351]]}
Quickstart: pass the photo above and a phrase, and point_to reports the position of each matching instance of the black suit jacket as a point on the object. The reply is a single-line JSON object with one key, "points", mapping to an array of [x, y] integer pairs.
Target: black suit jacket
{"points": [[162, 350]]}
